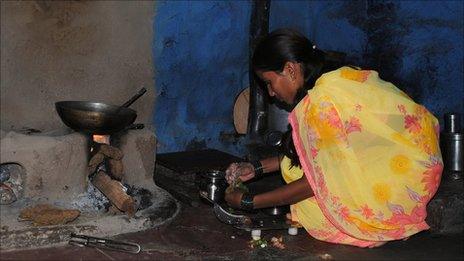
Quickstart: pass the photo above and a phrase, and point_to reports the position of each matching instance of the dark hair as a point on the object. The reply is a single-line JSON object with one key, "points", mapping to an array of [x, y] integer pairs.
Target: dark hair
{"points": [[288, 45]]}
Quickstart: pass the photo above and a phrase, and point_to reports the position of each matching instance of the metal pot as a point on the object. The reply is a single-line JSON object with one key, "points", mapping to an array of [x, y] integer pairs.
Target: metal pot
{"points": [[97, 117], [94, 117], [213, 183], [452, 145]]}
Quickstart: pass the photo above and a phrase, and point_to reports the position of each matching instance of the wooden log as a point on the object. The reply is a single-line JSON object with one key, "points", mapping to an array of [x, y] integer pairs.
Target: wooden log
{"points": [[111, 152], [95, 161], [115, 193], [116, 168], [113, 210]]}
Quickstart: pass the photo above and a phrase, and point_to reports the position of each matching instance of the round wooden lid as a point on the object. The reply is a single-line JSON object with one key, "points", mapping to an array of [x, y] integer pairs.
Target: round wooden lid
{"points": [[241, 108]]}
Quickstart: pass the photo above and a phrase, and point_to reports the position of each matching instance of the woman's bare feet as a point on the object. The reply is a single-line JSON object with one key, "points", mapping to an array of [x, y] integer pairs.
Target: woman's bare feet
{"points": [[381, 243]]}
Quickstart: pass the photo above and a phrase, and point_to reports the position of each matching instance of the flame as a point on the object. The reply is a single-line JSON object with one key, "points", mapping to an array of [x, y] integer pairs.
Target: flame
{"points": [[104, 139]]}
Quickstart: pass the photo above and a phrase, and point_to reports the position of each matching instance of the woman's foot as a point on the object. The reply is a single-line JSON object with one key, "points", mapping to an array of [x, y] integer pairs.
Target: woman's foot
{"points": [[377, 244]]}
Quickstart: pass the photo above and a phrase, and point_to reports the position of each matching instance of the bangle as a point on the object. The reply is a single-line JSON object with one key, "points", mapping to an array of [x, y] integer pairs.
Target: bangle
{"points": [[246, 202], [258, 168]]}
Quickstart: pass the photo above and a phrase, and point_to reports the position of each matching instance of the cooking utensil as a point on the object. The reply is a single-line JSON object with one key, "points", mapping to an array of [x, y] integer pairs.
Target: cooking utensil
{"points": [[241, 108], [95, 117], [135, 126], [273, 138], [229, 218], [452, 142], [103, 243], [245, 222], [223, 215], [213, 183], [135, 97], [250, 223]]}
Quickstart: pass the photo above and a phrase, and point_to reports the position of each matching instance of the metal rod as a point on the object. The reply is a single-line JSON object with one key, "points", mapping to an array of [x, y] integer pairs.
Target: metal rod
{"points": [[103, 243], [135, 97]]}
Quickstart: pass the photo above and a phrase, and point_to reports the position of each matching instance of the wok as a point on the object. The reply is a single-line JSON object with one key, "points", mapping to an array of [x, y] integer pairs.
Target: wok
{"points": [[96, 117]]}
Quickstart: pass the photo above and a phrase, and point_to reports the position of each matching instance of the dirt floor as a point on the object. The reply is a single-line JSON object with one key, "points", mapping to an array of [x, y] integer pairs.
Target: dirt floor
{"points": [[197, 234]]}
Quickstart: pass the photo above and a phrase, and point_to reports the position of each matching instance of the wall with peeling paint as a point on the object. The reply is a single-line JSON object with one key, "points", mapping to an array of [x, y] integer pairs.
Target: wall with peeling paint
{"points": [[200, 53], [417, 45]]}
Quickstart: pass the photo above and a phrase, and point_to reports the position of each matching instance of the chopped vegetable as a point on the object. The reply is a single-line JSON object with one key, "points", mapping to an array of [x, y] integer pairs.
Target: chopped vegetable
{"points": [[277, 242], [240, 186], [237, 185], [260, 243]]}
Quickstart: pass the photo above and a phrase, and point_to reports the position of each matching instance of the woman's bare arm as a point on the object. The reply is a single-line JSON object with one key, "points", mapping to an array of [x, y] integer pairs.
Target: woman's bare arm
{"points": [[270, 164], [289, 194]]}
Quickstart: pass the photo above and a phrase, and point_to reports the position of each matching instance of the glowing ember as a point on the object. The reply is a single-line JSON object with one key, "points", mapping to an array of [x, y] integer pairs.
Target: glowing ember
{"points": [[103, 139]]}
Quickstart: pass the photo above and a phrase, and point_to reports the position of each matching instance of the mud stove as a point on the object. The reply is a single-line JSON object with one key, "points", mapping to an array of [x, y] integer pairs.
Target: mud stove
{"points": [[62, 182]]}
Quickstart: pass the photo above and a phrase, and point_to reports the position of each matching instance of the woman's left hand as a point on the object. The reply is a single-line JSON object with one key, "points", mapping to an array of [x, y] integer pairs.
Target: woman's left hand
{"points": [[234, 198]]}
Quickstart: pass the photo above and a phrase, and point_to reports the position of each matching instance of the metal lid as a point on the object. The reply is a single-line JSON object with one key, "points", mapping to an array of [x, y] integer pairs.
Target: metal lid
{"points": [[213, 174]]}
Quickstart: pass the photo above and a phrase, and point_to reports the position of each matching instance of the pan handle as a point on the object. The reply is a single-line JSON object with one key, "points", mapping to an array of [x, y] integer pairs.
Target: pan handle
{"points": [[135, 97]]}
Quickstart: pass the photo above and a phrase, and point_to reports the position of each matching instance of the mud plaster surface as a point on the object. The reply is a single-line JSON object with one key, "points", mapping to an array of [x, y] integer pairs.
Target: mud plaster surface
{"points": [[73, 50], [55, 172]]}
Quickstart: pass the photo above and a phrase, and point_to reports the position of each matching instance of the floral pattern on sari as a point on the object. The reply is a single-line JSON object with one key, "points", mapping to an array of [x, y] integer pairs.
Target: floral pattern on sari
{"points": [[372, 175]]}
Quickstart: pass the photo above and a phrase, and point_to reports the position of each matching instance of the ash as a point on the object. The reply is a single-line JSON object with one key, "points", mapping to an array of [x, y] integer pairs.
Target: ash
{"points": [[92, 200], [143, 197]]}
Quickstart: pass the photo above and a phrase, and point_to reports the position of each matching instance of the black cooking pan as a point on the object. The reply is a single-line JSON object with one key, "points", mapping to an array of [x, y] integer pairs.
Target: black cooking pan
{"points": [[96, 117]]}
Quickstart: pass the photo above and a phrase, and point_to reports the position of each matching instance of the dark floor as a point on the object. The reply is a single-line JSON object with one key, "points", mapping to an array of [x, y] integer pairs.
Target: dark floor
{"points": [[197, 234]]}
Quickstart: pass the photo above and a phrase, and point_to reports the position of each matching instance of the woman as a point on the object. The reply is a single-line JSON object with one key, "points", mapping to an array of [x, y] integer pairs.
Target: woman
{"points": [[364, 160]]}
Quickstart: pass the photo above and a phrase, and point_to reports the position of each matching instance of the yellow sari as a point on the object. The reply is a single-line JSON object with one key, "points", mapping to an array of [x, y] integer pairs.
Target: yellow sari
{"points": [[370, 155]]}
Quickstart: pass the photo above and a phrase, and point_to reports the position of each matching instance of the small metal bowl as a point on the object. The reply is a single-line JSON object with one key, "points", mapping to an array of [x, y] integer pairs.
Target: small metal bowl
{"points": [[212, 182]]}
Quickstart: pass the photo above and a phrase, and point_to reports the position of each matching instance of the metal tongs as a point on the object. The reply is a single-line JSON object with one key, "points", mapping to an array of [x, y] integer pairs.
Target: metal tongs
{"points": [[103, 243]]}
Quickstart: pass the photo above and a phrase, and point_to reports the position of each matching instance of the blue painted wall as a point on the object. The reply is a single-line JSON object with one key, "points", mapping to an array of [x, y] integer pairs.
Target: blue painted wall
{"points": [[201, 63], [200, 53], [417, 45]]}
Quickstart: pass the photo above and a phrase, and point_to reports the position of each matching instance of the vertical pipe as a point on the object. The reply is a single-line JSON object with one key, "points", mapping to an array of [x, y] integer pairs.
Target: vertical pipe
{"points": [[259, 27]]}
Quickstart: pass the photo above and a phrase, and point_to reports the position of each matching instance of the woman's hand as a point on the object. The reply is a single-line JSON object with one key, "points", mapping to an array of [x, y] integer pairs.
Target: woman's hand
{"points": [[243, 170], [234, 198]]}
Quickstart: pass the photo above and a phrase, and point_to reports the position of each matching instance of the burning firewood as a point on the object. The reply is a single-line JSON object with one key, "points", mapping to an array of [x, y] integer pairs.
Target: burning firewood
{"points": [[111, 152], [111, 155], [115, 193], [116, 168], [96, 160]]}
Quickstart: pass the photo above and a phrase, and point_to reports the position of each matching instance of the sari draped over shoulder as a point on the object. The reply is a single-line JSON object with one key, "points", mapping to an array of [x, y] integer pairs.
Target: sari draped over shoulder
{"points": [[371, 156]]}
